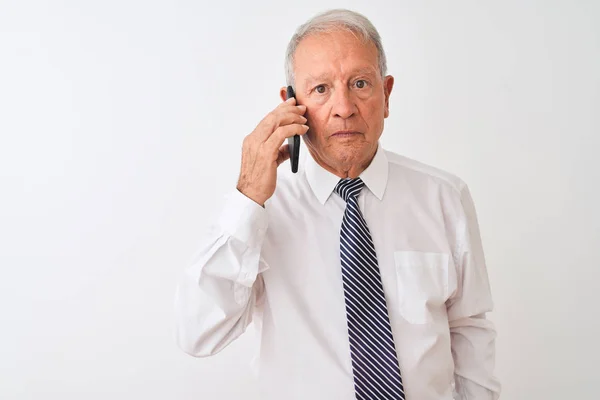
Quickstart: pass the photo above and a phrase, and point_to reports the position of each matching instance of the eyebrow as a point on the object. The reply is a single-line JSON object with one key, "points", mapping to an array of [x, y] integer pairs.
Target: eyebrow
{"points": [[312, 78], [360, 71]]}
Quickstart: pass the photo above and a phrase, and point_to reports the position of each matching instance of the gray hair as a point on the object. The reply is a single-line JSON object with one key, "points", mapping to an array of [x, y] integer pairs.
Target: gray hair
{"points": [[328, 21]]}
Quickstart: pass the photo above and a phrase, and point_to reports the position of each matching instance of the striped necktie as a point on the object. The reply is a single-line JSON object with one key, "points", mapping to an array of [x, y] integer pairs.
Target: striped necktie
{"points": [[374, 361]]}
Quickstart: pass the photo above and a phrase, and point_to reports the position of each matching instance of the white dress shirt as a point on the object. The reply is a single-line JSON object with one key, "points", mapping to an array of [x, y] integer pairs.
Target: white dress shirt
{"points": [[279, 267]]}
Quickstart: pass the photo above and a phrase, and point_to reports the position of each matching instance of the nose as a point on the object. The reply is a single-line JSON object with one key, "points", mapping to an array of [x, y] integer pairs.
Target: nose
{"points": [[343, 104]]}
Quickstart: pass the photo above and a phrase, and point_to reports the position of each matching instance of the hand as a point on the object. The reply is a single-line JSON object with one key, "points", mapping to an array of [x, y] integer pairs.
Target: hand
{"points": [[262, 150]]}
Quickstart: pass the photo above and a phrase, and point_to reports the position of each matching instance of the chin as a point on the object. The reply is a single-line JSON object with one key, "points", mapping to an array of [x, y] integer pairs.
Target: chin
{"points": [[349, 155], [342, 156]]}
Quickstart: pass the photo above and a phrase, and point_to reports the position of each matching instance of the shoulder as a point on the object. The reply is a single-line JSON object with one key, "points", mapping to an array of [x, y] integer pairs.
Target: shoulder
{"points": [[403, 165]]}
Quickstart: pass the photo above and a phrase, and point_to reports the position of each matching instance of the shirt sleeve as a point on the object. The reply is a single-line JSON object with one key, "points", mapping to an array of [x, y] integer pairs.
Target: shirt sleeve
{"points": [[472, 335], [221, 287]]}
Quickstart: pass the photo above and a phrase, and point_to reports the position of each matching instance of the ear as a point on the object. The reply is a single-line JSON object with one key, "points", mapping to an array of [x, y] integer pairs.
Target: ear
{"points": [[283, 93], [388, 84]]}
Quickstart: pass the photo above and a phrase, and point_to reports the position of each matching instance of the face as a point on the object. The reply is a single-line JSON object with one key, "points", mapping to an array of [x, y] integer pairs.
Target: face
{"points": [[337, 78]]}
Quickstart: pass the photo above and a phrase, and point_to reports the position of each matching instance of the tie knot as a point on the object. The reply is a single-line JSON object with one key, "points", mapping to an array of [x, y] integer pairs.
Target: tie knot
{"points": [[347, 188]]}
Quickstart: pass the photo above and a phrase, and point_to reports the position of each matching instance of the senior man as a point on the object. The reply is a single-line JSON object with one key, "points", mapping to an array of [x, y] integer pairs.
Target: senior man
{"points": [[364, 273]]}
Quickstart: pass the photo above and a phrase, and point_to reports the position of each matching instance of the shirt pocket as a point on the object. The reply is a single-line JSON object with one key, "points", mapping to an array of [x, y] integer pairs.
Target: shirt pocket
{"points": [[422, 285]]}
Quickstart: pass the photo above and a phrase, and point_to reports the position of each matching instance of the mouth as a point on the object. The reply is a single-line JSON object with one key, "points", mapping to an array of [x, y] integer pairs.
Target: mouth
{"points": [[343, 134]]}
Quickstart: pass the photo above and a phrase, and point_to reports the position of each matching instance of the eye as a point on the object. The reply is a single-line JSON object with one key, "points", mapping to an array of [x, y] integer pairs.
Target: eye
{"points": [[320, 89], [361, 84]]}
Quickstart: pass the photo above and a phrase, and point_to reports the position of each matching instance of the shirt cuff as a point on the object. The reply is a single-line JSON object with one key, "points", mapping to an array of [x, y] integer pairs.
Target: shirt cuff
{"points": [[244, 219]]}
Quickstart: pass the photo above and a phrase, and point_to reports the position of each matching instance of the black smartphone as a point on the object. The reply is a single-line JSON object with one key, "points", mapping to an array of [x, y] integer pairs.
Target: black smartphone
{"points": [[294, 141]]}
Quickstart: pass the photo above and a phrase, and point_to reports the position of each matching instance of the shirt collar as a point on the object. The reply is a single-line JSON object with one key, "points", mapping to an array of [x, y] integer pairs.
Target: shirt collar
{"points": [[322, 182]]}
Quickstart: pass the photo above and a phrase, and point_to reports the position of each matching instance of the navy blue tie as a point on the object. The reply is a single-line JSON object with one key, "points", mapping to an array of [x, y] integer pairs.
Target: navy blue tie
{"points": [[374, 361]]}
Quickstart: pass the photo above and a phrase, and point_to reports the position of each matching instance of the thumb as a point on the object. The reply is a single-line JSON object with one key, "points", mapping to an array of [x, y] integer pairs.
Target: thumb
{"points": [[284, 154]]}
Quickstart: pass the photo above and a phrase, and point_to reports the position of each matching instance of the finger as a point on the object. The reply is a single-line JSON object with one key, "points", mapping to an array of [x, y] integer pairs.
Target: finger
{"points": [[291, 104], [283, 132], [282, 113], [284, 154], [290, 101], [286, 118], [270, 124], [298, 109]]}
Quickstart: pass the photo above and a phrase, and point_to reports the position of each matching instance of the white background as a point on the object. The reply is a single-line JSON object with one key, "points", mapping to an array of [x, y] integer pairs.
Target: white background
{"points": [[121, 125]]}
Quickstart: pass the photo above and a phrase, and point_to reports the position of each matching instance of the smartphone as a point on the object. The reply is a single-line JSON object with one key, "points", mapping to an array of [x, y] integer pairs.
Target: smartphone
{"points": [[294, 141]]}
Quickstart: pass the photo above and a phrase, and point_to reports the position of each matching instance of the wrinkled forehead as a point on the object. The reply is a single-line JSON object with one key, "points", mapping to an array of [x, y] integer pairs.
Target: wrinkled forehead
{"points": [[338, 53]]}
